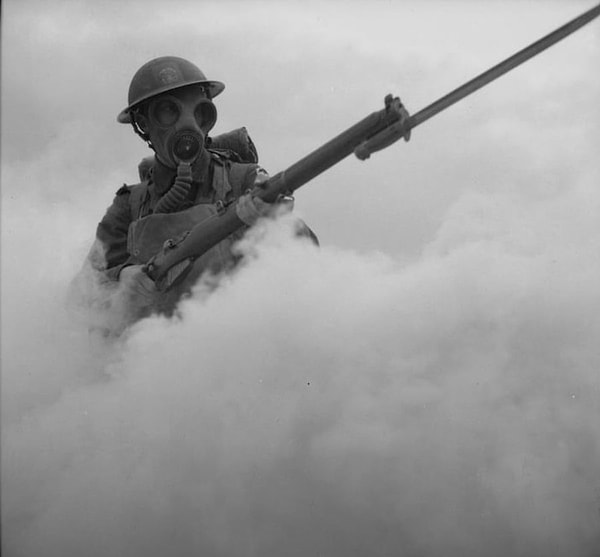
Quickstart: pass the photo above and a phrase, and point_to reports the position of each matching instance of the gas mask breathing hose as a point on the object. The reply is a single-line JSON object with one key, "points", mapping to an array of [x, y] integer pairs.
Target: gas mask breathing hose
{"points": [[185, 148]]}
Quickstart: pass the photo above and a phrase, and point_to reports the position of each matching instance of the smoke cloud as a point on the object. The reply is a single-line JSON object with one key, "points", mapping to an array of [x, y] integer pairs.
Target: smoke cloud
{"points": [[322, 401], [425, 383]]}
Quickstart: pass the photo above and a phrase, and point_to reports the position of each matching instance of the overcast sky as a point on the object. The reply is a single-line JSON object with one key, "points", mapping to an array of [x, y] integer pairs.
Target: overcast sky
{"points": [[298, 73], [424, 384]]}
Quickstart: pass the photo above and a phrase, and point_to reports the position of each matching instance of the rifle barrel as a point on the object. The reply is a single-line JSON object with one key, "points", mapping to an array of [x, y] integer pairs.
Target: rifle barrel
{"points": [[216, 228], [328, 154], [503, 67]]}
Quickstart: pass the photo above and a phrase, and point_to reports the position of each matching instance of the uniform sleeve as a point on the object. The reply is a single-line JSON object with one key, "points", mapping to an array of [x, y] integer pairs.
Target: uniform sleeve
{"points": [[111, 234]]}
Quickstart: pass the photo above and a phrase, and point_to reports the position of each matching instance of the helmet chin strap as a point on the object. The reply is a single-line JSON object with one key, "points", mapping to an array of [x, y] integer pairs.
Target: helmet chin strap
{"points": [[136, 128]]}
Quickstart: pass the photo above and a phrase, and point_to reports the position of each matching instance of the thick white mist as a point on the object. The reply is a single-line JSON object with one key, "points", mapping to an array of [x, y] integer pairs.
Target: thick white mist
{"points": [[322, 401], [439, 397]]}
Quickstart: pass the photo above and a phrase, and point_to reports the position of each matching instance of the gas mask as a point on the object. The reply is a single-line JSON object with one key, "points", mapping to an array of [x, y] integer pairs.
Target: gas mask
{"points": [[177, 123]]}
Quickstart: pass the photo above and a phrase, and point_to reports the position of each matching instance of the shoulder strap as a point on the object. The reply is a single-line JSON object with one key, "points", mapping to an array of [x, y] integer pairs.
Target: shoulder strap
{"points": [[229, 178], [237, 176]]}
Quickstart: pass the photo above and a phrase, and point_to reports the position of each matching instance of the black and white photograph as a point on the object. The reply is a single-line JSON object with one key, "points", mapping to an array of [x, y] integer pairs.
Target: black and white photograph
{"points": [[300, 278]]}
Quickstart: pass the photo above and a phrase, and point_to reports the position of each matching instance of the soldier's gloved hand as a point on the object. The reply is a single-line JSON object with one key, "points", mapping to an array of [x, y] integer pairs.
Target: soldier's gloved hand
{"points": [[250, 208], [285, 203], [138, 291]]}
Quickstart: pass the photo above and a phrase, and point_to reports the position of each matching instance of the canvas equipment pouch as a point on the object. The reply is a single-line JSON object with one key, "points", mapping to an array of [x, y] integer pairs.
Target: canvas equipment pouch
{"points": [[147, 236]]}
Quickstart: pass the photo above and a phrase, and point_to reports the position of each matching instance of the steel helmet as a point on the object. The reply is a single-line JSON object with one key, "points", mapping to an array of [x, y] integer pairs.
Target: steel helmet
{"points": [[165, 74]]}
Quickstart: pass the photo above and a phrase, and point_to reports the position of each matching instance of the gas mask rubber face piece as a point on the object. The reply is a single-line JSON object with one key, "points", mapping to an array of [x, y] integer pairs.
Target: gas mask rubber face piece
{"points": [[178, 123]]}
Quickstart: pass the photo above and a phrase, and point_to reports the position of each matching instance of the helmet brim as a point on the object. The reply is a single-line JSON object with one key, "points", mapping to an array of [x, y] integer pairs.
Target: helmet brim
{"points": [[214, 88]]}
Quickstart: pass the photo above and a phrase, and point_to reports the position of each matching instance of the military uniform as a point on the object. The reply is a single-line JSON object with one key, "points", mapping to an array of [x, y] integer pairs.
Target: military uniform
{"points": [[127, 232], [130, 232], [190, 178]]}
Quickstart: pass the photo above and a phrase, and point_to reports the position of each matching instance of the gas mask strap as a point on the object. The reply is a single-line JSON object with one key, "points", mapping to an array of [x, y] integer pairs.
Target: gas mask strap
{"points": [[138, 130]]}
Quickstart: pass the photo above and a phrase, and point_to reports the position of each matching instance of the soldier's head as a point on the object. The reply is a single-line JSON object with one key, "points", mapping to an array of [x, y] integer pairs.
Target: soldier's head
{"points": [[170, 107]]}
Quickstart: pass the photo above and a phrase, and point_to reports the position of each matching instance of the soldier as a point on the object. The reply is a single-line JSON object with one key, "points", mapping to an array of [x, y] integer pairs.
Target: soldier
{"points": [[189, 178]]}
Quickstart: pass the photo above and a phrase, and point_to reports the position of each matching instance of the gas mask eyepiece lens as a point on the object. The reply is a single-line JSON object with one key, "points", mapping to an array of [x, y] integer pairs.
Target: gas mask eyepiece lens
{"points": [[165, 112], [205, 114]]}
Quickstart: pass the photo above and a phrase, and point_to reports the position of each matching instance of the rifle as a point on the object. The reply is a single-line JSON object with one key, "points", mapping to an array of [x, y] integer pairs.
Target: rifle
{"points": [[375, 132]]}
